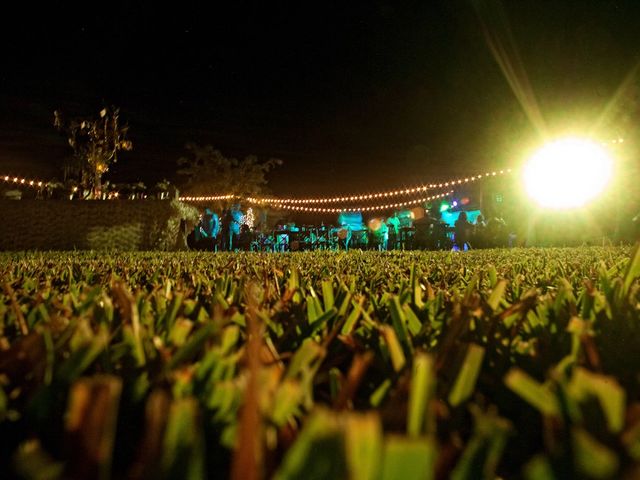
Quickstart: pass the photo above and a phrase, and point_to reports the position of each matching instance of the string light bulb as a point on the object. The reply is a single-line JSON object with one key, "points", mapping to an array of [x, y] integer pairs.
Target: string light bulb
{"points": [[21, 181]]}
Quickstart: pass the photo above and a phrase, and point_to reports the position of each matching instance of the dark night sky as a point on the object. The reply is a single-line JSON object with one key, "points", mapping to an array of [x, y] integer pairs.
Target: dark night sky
{"points": [[350, 96]]}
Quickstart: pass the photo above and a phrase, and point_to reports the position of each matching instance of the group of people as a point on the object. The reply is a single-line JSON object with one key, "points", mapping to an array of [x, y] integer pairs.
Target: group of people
{"points": [[481, 234], [229, 232], [214, 233]]}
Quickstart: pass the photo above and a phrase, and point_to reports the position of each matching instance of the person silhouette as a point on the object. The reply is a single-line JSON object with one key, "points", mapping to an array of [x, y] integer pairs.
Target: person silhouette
{"points": [[393, 222], [462, 231]]}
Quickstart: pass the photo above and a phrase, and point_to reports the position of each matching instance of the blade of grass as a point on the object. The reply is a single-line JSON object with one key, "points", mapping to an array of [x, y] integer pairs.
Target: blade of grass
{"points": [[420, 395], [467, 376]]}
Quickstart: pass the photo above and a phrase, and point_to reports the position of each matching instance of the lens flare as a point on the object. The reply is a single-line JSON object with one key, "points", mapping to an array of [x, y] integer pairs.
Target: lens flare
{"points": [[375, 224], [567, 173]]}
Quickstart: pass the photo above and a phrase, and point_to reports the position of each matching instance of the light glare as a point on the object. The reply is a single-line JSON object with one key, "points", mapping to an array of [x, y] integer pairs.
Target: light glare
{"points": [[567, 173]]}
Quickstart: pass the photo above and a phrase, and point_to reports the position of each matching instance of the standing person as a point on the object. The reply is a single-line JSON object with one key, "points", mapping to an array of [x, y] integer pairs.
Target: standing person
{"points": [[214, 230], [209, 228], [378, 233], [424, 237], [214, 225], [245, 238], [393, 222], [479, 232], [311, 238], [462, 230], [182, 242], [383, 232], [227, 220], [238, 218], [497, 232], [344, 236], [201, 232], [294, 236], [197, 233], [324, 238]]}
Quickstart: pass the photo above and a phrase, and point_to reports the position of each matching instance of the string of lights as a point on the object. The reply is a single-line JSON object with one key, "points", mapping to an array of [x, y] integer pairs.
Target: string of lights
{"points": [[22, 181], [301, 204], [369, 208], [359, 197], [390, 193], [208, 198]]}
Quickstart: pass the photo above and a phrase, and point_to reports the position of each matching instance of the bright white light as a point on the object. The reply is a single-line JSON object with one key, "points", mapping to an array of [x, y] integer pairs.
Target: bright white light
{"points": [[567, 173]]}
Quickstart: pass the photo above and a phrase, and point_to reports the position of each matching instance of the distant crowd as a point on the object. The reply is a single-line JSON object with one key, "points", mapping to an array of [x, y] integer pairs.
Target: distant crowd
{"points": [[230, 231]]}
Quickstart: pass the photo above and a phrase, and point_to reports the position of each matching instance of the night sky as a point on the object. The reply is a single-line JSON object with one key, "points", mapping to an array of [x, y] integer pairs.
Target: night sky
{"points": [[351, 96]]}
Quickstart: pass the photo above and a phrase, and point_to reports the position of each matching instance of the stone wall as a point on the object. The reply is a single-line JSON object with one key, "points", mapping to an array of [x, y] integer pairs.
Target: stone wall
{"points": [[93, 225]]}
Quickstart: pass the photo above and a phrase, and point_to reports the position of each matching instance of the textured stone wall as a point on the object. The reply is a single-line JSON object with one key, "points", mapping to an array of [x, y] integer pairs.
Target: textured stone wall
{"points": [[92, 225]]}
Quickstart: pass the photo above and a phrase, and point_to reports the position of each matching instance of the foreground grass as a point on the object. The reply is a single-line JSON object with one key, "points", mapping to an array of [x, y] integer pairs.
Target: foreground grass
{"points": [[516, 363]]}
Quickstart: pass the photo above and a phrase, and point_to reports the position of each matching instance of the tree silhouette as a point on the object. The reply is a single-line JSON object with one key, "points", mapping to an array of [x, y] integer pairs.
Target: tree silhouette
{"points": [[95, 143], [208, 172]]}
